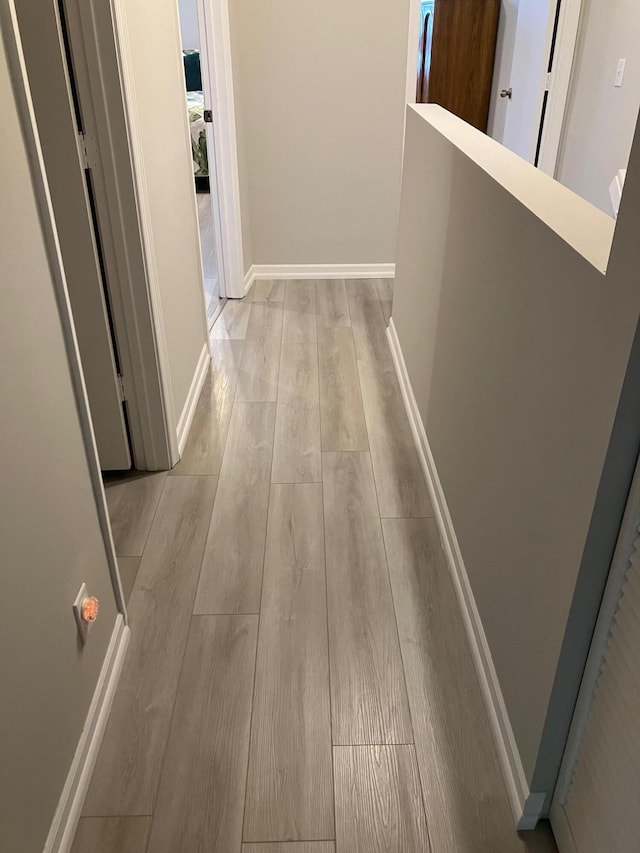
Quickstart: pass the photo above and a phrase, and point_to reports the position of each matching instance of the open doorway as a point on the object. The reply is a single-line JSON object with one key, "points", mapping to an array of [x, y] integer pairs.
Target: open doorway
{"points": [[536, 46], [425, 31], [111, 108], [504, 66], [456, 44], [200, 114]]}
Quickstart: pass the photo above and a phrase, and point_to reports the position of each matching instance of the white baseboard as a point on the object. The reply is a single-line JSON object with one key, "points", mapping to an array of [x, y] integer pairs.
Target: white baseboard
{"points": [[248, 280], [297, 271], [532, 811], [523, 804], [65, 820], [189, 410], [561, 830]]}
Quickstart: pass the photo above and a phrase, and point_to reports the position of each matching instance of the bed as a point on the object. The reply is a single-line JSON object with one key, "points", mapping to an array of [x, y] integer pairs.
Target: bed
{"points": [[195, 109]]}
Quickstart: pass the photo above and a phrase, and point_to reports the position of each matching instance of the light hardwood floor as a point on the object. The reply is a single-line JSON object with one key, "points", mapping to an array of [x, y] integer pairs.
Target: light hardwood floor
{"points": [[299, 679]]}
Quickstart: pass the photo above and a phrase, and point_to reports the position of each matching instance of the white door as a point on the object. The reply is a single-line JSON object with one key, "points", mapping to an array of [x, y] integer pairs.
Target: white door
{"points": [[217, 79], [534, 26], [534, 62], [596, 807], [211, 114], [502, 69], [60, 126]]}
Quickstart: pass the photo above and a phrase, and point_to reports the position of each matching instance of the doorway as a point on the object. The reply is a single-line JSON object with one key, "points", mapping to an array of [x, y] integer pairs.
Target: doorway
{"points": [[76, 184], [425, 30], [532, 76], [455, 46], [521, 76], [106, 139], [200, 115]]}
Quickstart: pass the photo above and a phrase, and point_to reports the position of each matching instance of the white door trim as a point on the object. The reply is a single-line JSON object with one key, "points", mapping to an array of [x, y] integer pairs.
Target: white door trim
{"points": [[218, 67], [159, 369], [560, 84], [600, 641], [205, 31], [412, 51]]}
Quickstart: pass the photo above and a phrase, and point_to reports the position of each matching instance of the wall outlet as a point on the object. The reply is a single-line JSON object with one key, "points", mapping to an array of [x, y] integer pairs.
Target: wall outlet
{"points": [[620, 73], [83, 627]]}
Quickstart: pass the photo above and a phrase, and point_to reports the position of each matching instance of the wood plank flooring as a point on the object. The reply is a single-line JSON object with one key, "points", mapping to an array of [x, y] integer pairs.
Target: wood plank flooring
{"points": [[125, 779], [200, 801], [132, 500], [208, 435], [231, 576], [291, 732], [298, 678], [108, 834], [291, 847], [402, 492], [379, 801], [128, 567], [258, 380], [368, 698], [341, 413]]}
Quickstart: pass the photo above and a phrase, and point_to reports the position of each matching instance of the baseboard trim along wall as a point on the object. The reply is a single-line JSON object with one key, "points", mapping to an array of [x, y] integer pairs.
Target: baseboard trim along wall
{"points": [[189, 410], [561, 830], [65, 820], [527, 808], [296, 271]]}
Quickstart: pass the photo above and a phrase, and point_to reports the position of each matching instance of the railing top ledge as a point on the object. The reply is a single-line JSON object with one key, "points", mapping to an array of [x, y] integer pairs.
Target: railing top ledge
{"points": [[584, 227]]}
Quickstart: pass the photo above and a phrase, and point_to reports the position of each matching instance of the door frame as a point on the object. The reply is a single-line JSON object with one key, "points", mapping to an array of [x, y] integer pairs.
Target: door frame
{"points": [[101, 35], [216, 65], [412, 51], [88, 287], [629, 531], [560, 84], [137, 312], [10, 34], [565, 49], [205, 35]]}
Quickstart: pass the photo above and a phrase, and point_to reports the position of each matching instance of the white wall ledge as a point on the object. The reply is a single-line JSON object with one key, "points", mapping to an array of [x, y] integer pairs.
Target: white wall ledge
{"points": [[584, 227]]}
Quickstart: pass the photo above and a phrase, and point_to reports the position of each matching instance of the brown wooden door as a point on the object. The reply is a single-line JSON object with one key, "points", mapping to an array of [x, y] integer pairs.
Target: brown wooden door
{"points": [[462, 57]]}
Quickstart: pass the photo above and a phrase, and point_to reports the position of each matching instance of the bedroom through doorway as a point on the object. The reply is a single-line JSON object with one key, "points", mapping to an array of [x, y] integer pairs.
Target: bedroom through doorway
{"points": [[200, 117]]}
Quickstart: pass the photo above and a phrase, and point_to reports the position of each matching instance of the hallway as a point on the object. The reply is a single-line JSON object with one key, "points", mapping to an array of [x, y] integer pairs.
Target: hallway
{"points": [[298, 669]]}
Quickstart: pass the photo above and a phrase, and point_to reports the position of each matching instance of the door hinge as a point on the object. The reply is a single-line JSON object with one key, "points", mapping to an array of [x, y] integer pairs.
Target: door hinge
{"points": [[87, 152], [123, 396], [549, 81], [208, 116]]}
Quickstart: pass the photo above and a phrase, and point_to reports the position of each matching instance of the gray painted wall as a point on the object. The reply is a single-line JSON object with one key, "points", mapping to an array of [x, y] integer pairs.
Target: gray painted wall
{"points": [[189, 30], [601, 119], [321, 93], [517, 348], [49, 527]]}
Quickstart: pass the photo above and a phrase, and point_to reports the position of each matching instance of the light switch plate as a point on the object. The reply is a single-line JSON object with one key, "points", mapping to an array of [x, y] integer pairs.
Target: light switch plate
{"points": [[620, 73], [615, 190]]}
